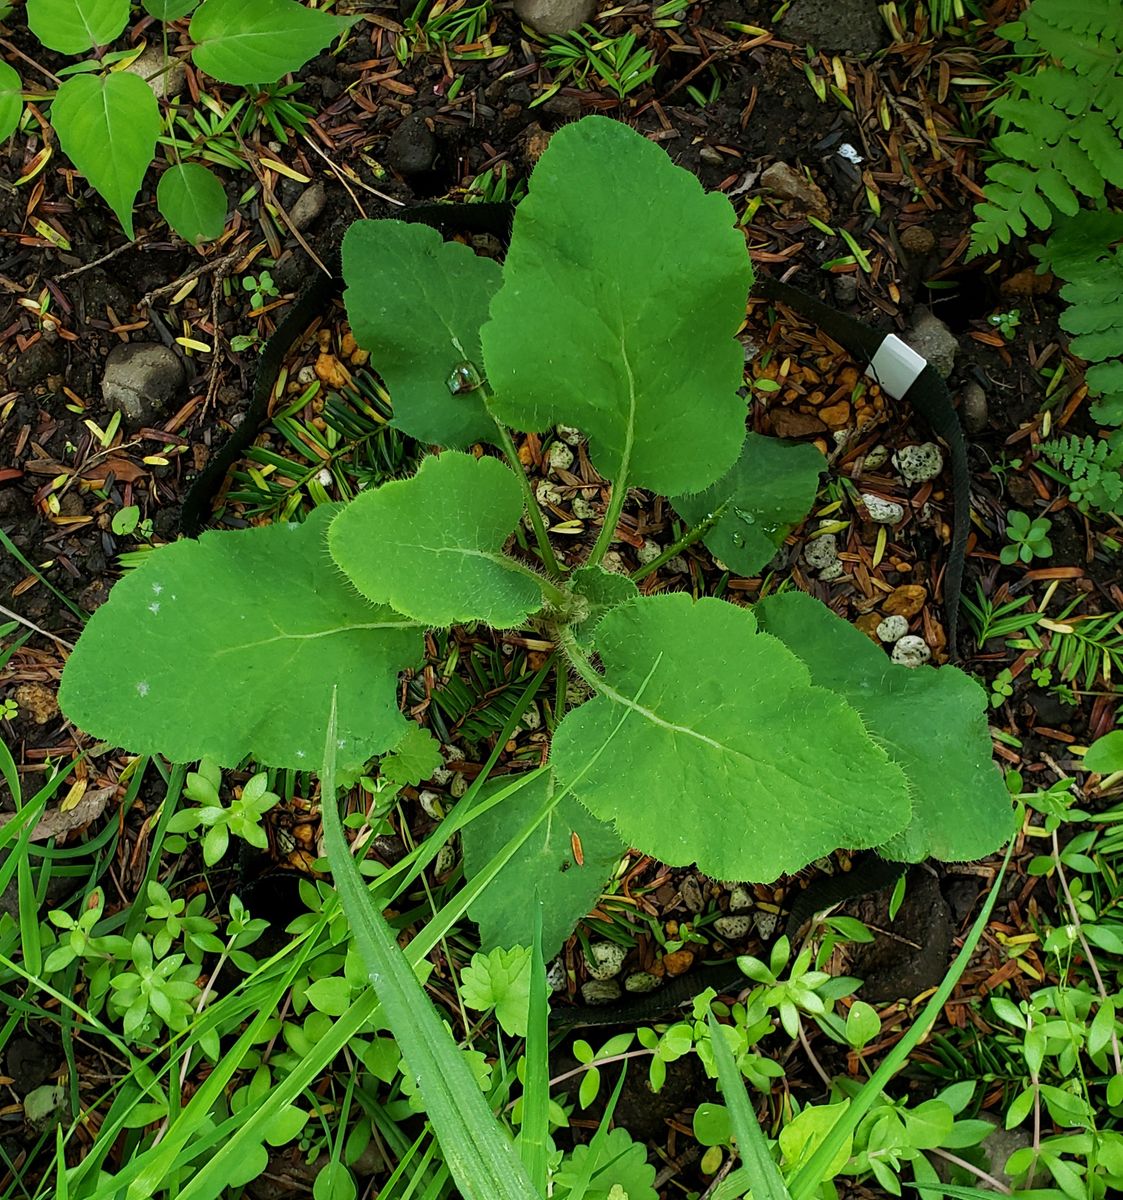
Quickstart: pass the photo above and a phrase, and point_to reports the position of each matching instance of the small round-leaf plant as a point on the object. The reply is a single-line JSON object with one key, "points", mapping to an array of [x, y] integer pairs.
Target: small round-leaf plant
{"points": [[108, 120], [707, 718], [1029, 538]]}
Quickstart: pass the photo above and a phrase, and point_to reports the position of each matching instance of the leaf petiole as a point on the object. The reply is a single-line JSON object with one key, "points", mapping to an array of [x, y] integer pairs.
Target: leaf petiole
{"points": [[691, 536], [507, 445]]}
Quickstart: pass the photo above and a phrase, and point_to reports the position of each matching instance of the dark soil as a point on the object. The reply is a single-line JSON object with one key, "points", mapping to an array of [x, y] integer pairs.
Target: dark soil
{"points": [[393, 132]]}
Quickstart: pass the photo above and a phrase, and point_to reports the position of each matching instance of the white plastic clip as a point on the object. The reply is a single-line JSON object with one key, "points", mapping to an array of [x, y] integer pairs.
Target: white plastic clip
{"points": [[895, 366]]}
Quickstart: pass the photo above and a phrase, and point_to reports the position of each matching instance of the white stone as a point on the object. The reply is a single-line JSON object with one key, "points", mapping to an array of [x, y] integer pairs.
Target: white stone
{"points": [[740, 899], [581, 508], [893, 628], [877, 457], [733, 928], [918, 464], [614, 561], [648, 552], [911, 651], [677, 566], [882, 511], [532, 718], [600, 991], [561, 456], [569, 434], [834, 571], [431, 803], [164, 77], [605, 959], [548, 493], [821, 552], [640, 982], [555, 975]]}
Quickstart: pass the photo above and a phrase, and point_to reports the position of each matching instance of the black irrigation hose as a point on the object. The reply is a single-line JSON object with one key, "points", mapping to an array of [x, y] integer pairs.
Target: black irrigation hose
{"points": [[870, 874]]}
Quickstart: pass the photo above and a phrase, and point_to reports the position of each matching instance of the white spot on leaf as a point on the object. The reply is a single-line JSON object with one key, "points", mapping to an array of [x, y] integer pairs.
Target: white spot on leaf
{"points": [[157, 588], [142, 688], [154, 607]]}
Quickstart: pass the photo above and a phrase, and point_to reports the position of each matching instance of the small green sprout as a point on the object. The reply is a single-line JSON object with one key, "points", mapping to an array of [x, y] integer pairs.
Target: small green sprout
{"points": [[1006, 322], [1029, 539], [1001, 688], [260, 288]]}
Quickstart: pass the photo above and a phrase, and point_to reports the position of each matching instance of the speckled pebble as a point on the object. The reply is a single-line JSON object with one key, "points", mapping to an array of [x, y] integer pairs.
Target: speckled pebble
{"points": [[877, 457], [581, 508], [821, 552], [569, 434], [459, 785], [431, 803], [600, 991], [548, 493], [733, 928], [834, 571], [691, 892], [677, 566], [532, 718], [614, 561], [607, 959], [555, 975], [445, 860], [648, 552], [642, 981], [911, 651], [741, 899], [918, 464], [892, 629], [561, 457], [766, 923], [882, 511]]}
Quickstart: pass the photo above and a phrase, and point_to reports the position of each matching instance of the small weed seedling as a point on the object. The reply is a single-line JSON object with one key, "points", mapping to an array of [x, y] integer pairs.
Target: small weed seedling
{"points": [[1006, 322], [1029, 539]]}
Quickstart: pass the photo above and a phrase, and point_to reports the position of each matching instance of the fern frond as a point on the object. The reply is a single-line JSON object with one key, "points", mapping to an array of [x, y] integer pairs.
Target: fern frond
{"points": [[1063, 118], [1094, 471]]}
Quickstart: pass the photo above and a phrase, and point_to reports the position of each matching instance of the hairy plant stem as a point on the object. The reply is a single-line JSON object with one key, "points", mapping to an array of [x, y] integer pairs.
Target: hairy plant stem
{"points": [[578, 659], [611, 519], [507, 445], [688, 538]]}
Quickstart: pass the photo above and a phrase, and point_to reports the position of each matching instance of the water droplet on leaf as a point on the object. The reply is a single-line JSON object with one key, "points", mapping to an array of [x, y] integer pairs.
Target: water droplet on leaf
{"points": [[463, 378]]}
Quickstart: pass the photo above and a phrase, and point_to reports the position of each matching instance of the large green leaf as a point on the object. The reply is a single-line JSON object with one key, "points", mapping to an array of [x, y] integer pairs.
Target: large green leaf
{"points": [[768, 489], [11, 100], [258, 41], [230, 646], [622, 291], [545, 861], [108, 125], [432, 546], [71, 26], [169, 10], [192, 201], [932, 722], [417, 302], [709, 744]]}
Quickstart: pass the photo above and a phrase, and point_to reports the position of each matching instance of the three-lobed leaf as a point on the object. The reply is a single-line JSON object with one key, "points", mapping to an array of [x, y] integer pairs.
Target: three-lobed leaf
{"points": [[230, 645], [931, 722], [71, 26], [769, 489], [258, 41], [417, 302], [708, 743], [610, 319], [432, 546], [108, 125], [192, 201]]}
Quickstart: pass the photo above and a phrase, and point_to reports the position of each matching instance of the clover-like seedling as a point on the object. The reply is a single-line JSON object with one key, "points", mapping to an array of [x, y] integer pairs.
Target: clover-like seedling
{"points": [[1029, 539], [747, 740]]}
